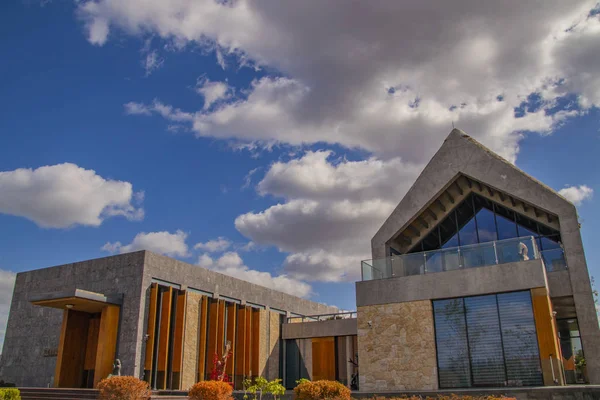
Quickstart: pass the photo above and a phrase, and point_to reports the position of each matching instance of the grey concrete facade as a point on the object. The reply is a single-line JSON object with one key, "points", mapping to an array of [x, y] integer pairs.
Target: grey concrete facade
{"points": [[33, 331], [458, 283], [461, 155], [305, 330]]}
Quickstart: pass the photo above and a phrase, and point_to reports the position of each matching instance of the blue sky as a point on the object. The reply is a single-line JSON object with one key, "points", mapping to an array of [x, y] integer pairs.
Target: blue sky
{"points": [[271, 141]]}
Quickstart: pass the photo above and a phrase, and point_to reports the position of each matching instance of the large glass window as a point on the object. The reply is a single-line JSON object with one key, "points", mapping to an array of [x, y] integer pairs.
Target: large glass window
{"points": [[571, 349], [479, 220], [487, 341]]}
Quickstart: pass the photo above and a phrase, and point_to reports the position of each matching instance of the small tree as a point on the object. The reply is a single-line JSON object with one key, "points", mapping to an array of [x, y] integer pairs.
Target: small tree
{"points": [[218, 372], [261, 385]]}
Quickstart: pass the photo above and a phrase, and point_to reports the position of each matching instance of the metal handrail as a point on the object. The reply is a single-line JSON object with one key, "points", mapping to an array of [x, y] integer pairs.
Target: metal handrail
{"points": [[321, 317]]}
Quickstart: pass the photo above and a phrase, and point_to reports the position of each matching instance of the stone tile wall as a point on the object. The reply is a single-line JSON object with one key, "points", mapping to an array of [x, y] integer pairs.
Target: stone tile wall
{"points": [[397, 352]]}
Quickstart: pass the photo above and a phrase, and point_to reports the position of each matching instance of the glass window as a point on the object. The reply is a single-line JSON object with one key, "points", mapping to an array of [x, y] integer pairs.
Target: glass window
{"points": [[467, 233], [486, 226], [519, 339], [432, 241], [505, 220], [448, 233], [451, 339], [485, 341]]}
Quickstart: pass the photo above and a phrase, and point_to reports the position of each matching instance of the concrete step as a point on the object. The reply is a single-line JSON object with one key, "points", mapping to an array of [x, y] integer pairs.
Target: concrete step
{"points": [[58, 394]]}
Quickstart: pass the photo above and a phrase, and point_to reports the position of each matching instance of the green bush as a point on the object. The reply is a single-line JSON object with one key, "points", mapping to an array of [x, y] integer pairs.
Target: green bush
{"points": [[10, 394]]}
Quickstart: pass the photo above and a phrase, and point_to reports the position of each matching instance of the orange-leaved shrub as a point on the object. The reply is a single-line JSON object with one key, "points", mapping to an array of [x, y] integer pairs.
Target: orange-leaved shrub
{"points": [[123, 388], [321, 390], [210, 390]]}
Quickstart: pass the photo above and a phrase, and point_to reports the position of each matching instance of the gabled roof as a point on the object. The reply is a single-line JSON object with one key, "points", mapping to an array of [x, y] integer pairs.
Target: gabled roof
{"points": [[462, 157]]}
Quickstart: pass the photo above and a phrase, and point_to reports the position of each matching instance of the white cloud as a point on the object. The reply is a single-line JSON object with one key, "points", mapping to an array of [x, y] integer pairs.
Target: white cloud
{"points": [[232, 264], [7, 284], [577, 194], [332, 209], [212, 91], [170, 244], [65, 195], [152, 61], [168, 112], [214, 246], [396, 82]]}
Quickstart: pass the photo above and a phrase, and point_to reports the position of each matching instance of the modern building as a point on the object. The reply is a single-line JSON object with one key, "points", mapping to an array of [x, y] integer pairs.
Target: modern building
{"points": [[478, 279]]}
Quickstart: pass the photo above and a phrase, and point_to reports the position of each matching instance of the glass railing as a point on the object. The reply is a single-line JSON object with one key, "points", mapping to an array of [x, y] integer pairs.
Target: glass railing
{"points": [[321, 317], [471, 256]]}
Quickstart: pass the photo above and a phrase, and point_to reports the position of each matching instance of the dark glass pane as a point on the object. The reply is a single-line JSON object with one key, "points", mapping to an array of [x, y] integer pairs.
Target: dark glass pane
{"points": [[567, 328], [478, 256], [505, 220], [448, 233], [486, 225], [431, 241], [292, 363], [451, 343], [485, 342], [550, 242], [468, 233], [466, 223], [527, 227], [519, 339], [554, 260]]}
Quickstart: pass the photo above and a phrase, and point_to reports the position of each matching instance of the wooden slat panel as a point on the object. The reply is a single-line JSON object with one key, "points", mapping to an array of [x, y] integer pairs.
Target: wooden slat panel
{"points": [[71, 350], [248, 355], [255, 344], [178, 333], [179, 329], [231, 325], [323, 358], [221, 329], [202, 341], [546, 335], [150, 332], [213, 323], [92, 343], [240, 345], [107, 343], [163, 340]]}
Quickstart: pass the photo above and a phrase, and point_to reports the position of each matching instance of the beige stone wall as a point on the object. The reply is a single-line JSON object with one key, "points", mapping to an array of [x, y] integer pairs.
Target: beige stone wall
{"points": [[273, 347], [190, 344], [397, 352], [263, 354]]}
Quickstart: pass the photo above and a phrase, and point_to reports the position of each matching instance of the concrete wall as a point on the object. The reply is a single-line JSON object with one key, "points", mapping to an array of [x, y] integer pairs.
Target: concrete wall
{"points": [[458, 283], [461, 154], [336, 327], [31, 330], [396, 347]]}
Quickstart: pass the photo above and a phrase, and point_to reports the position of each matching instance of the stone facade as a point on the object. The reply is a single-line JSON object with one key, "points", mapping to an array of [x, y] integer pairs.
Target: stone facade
{"points": [[191, 340], [397, 350], [33, 332], [273, 347]]}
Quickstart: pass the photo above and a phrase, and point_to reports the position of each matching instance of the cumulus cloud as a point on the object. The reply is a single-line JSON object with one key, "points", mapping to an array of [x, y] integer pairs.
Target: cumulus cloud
{"points": [[170, 244], [577, 194], [232, 264], [65, 195], [212, 91], [387, 78], [214, 246], [7, 284], [331, 210]]}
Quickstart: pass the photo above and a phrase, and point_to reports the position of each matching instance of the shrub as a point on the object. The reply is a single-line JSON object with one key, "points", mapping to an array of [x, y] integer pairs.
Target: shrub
{"points": [[321, 390], [10, 394], [261, 385], [210, 390], [123, 388]]}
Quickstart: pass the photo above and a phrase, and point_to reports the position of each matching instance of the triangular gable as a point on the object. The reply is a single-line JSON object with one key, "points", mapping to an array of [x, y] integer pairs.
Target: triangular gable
{"points": [[460, 154]]}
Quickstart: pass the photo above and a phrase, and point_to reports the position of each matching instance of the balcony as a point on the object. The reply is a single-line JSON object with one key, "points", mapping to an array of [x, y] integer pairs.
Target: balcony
{"points": [[464, 257]]}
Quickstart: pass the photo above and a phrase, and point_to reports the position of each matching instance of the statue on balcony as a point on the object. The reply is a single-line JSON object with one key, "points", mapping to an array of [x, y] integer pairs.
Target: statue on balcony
{"points": [[523, 251]]}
